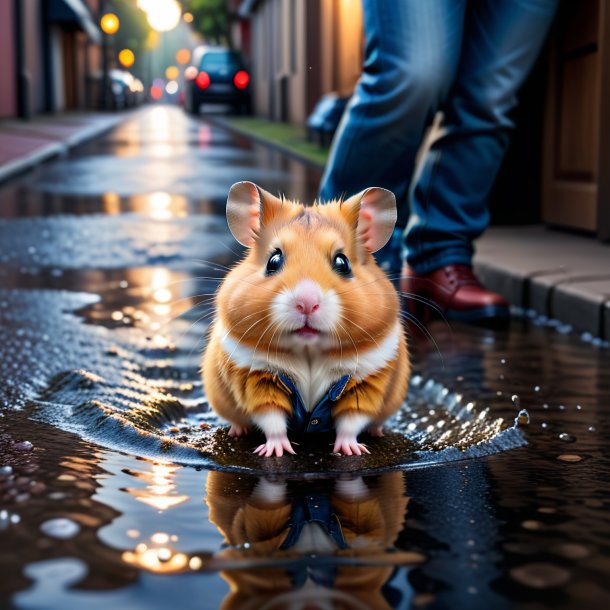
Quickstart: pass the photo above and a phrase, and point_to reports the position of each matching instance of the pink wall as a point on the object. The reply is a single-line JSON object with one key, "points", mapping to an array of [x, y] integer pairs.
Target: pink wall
{"points": [[8, 93]]}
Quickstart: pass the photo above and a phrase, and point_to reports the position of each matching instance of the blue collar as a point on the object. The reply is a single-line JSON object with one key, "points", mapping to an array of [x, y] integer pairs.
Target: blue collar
{"points": [[320, 418]]}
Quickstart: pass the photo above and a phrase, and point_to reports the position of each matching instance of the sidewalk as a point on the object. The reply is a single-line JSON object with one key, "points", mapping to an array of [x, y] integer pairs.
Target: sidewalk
{"points": [[557, 274], [23, 144]]}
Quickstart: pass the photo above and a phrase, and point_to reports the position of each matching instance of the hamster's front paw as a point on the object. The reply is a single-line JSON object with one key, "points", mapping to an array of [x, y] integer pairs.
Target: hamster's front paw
{"points": [[275, 445], [348, 444]]}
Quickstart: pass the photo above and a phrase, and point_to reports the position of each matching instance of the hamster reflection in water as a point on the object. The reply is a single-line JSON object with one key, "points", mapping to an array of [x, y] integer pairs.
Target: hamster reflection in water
{"points": [[304, 525], [307, 335]]}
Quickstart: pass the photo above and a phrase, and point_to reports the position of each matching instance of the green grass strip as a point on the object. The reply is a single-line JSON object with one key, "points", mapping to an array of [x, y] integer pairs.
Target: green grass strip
{"points": [[291, 137]]}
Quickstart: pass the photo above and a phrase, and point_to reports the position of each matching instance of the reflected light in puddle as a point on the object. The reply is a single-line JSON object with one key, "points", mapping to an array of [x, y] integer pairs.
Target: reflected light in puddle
{"points": [[204, 136], [159, 491], [161, 294], [161, 560], [111, 203], [161, 206]]}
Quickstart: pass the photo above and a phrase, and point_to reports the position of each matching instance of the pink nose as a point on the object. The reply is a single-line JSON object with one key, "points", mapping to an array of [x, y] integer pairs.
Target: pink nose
{"points": [[307, 297]]}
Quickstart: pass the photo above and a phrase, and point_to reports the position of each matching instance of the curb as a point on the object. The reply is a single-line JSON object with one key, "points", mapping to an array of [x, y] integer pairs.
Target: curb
{"points": [[55, 149], [224, 124]]}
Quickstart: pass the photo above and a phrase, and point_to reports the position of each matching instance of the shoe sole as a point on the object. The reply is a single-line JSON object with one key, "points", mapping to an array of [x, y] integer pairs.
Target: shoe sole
{"points": [[489, 315]]}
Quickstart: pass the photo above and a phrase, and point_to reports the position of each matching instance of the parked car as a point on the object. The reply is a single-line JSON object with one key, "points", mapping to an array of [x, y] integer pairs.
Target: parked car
{"points": [[219, 77], [126, 91]]}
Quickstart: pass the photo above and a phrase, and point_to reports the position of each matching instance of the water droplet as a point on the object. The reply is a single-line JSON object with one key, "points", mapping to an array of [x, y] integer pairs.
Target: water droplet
{"points": [[503, 361], [544, 424], [195, 563], [567, 438], [591, 429], [537, 388], [60, 528], [516, 400], [578, 407]]}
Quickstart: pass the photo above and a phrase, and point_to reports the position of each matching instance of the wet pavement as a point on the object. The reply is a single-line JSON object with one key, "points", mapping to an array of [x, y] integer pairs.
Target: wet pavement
{"points": [[119, 487]]}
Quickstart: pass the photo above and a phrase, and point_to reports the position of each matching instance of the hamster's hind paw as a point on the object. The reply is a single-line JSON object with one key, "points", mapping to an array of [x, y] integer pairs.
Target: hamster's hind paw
{"points": [[236, 430], [349, 445], [275, 446], [375, 431]]}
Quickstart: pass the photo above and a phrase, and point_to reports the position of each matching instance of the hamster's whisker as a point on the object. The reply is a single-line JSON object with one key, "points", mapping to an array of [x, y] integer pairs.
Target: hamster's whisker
{"points": [[249, 329], [258, 286], [362, 329], [424, 301], [356, 287], [277, 326], [349, 336], [255, 313], [211, 264], [261, 338]]}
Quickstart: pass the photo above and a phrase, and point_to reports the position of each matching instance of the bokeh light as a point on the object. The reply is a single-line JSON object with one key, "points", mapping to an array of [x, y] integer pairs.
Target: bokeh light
{"points": [[162, 15], [183, 56], [172, 87], [188, 17], [191, 73], [127, 58], [109, 23], [172, 73], [156, 92]]}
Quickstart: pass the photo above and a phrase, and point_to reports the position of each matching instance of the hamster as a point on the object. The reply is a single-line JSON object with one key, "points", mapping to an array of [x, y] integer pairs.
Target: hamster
{"points": [[307, 335]]}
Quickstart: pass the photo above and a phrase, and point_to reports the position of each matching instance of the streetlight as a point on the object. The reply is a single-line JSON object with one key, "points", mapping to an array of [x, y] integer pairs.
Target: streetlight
{"points": [[162, 15], [109, 24], [127, 58]]}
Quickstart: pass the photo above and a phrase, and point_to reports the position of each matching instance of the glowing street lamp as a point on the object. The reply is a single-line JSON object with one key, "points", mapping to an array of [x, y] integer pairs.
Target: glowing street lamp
{"points": [[110, 23], [127, 58], [162, 15]]}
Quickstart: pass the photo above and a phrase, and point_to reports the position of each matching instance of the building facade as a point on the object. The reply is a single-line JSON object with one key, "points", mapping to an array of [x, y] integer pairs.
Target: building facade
{"points": [[50, 56], [301, 50]]}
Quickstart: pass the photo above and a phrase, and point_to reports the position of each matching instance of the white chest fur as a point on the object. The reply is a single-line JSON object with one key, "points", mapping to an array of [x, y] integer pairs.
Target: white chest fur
{"points": [[312, 371]]}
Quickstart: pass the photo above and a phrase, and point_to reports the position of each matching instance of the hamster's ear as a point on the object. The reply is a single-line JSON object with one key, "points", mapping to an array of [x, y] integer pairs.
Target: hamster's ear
{"points": [[373, 214], [248, 208]]}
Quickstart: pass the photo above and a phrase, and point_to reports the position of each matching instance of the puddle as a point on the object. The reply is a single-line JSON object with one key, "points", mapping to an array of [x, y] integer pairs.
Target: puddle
{"points": [[141, 393], [118, 488]]}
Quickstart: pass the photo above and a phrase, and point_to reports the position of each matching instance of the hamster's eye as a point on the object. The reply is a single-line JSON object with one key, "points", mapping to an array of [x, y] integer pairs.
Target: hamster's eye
{"points": [[275, 262], [341, 265]]}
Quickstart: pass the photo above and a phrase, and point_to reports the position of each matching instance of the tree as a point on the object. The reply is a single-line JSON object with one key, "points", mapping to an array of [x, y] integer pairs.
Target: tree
{"points": [[211, 18]]}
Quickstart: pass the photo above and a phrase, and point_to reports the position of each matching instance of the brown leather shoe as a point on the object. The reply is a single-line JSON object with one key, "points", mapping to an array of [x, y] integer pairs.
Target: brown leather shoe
{"points": [[453, 292]]}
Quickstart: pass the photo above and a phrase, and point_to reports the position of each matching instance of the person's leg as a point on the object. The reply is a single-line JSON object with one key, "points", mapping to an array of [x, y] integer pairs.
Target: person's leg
{"points": [[502, 39], [412, 49]]}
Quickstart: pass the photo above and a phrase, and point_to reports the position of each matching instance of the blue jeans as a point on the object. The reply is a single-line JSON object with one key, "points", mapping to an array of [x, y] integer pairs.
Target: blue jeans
{"points": [[466, 58]]}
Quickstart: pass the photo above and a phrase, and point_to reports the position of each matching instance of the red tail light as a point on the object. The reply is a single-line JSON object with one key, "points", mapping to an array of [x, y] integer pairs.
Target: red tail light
{"points": [[203, 80], [241, 79]]}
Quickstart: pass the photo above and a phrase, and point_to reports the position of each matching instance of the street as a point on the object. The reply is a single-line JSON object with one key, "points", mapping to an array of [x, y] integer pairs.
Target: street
{"points": [[114, 475]]}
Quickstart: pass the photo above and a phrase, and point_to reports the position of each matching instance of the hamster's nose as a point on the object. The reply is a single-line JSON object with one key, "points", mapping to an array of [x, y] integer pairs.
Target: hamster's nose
{"points": [[307, 297]]}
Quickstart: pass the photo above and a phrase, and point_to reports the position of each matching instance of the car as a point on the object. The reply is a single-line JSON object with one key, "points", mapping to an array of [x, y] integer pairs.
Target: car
{"points": [[218, 76]]}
